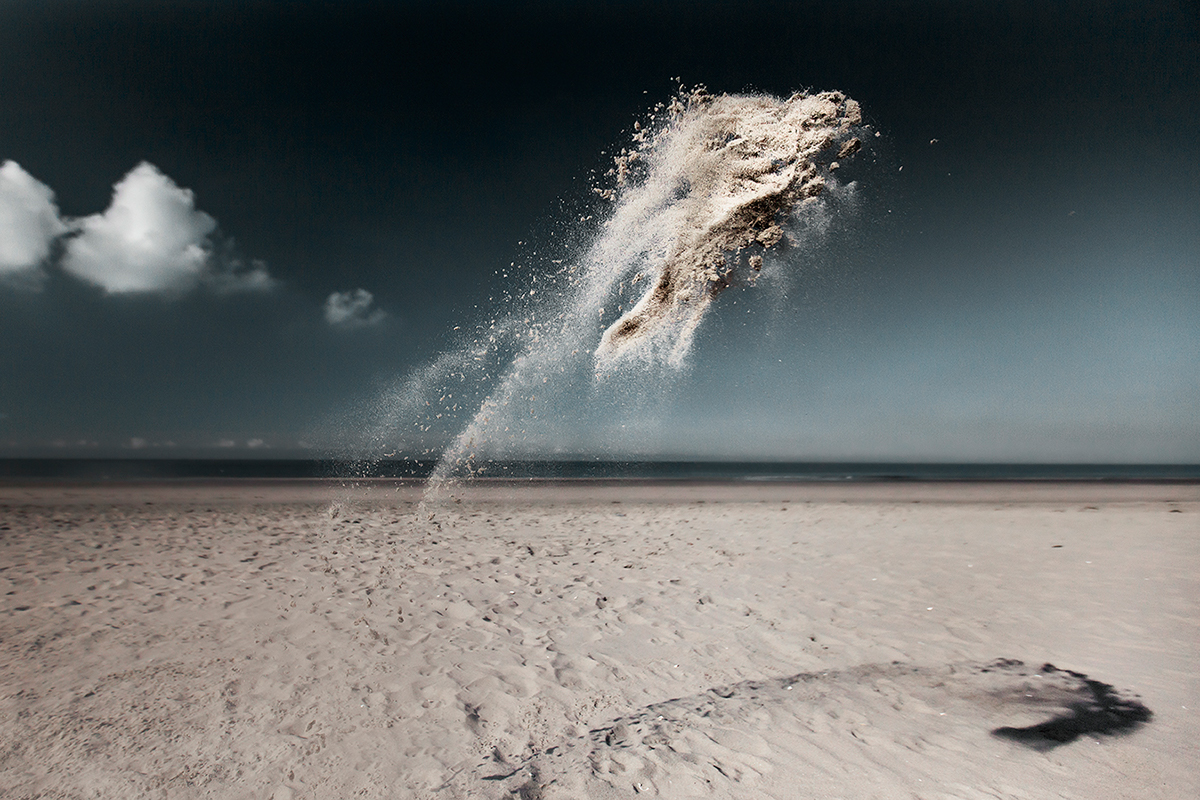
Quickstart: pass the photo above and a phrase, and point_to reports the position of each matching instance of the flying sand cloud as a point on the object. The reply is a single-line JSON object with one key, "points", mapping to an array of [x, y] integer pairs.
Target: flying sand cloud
{"points": [[29, 224], [151, 240]]}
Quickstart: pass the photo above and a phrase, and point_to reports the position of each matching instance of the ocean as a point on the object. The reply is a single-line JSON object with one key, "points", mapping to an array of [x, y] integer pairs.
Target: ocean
{"points": [[127, 469]]}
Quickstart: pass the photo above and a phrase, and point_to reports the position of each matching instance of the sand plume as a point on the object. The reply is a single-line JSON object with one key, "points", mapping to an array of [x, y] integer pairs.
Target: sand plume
{"points": [[716, 180]]}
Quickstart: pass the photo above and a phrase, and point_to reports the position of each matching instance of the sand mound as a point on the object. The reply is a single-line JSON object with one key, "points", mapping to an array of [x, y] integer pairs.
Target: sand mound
{"points": [[735, 738]]}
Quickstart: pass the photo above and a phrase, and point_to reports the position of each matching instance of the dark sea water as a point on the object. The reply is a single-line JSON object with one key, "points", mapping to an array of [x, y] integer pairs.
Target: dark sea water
{"points": [[179, 469]]}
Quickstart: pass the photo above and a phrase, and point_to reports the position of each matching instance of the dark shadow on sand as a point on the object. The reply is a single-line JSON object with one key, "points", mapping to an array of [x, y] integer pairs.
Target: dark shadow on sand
{"points": [[1104, 712]]}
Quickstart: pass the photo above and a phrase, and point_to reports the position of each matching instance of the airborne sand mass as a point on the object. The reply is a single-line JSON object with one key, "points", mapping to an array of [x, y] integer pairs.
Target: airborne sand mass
{"points": [[718, 176], [708, 184]]}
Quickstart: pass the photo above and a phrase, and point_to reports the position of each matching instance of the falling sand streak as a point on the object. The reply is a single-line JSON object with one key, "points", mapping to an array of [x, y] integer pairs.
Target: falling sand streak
{"points": [[706, 178]]}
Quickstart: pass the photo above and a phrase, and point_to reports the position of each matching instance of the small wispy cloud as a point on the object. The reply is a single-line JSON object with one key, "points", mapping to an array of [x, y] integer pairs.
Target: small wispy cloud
{"points": [[134, 443], [352, 309], [249, 444], [29, 225], [150, 240]]}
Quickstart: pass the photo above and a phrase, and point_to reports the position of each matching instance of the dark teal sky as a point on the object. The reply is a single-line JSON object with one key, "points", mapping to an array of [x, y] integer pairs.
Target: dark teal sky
{"points": [[1026, 288]]}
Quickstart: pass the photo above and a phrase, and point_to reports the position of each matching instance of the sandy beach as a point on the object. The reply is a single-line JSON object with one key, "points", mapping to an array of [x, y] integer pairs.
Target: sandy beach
{"points": [[301, 639]]}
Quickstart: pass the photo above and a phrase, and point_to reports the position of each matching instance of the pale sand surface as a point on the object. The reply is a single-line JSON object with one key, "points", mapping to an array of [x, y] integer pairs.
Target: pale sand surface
{"points": [[263, 639]]}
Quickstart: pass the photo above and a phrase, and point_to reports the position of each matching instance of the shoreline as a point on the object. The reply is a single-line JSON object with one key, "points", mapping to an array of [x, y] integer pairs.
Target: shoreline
{"points": [[586, 490]]}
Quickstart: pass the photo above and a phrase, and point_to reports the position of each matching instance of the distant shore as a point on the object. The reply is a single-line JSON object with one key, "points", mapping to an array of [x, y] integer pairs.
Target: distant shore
{"points": [[130, 468]]}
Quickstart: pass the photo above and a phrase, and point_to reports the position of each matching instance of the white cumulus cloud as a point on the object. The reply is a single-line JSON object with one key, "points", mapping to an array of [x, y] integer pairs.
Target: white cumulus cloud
{"points": [[29, 224], [153, 239], [352, 309]]}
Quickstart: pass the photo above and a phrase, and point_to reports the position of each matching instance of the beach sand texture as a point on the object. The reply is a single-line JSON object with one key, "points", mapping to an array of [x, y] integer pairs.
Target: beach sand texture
{"points": [[297, 639]]}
